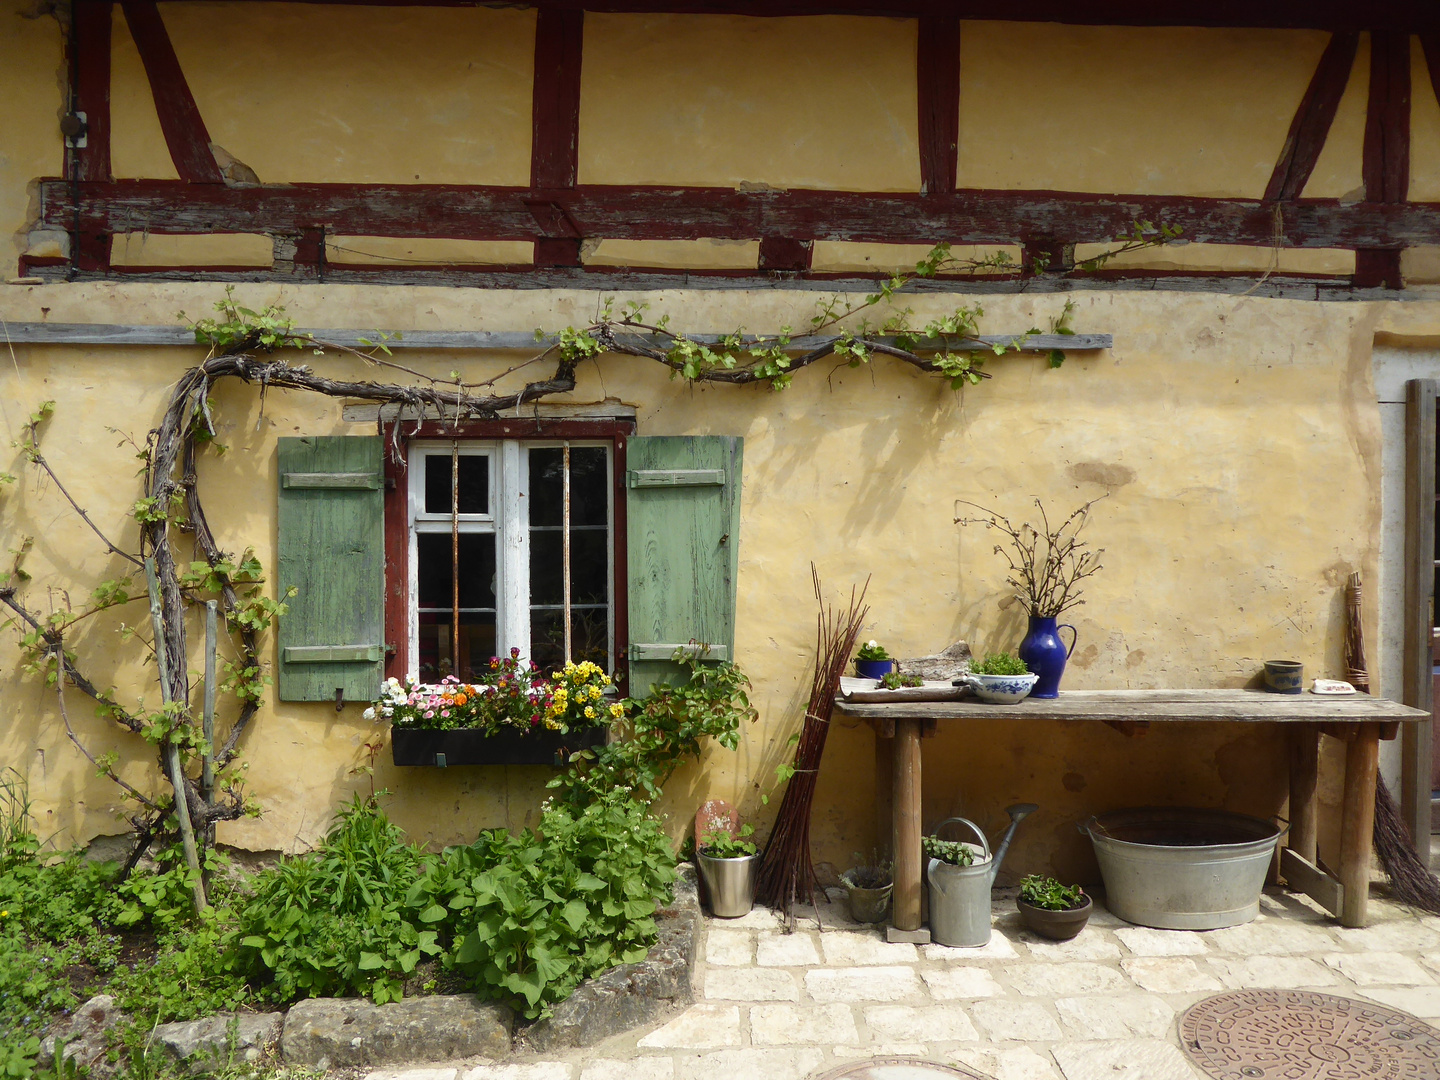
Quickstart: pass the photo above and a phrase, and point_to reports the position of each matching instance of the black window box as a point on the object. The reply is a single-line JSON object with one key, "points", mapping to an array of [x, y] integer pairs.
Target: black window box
{"points": [[469, 746]]}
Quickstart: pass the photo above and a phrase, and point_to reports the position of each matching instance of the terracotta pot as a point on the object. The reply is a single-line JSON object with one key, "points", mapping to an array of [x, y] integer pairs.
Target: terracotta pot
{"points": [[1055, 925]]}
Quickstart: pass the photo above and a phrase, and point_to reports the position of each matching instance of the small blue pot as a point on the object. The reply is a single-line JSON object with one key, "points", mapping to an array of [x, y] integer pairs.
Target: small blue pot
{"points": [[873, 669]]}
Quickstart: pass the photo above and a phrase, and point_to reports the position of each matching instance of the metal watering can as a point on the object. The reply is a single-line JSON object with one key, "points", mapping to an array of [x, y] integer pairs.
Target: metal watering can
{"points": [[960, 895]]}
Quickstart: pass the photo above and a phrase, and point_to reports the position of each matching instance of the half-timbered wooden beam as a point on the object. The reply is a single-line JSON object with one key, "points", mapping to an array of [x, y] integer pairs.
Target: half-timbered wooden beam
{"points": [[938, 97], [1386, 163], [90, 42], [180, 118], [1313, 117], [555, 114], [653, 213]]}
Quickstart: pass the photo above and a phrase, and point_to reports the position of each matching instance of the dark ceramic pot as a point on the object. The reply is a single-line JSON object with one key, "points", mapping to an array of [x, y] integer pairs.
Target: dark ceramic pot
{"points": [[873, 669], [1055, 925], [1045, 654]]}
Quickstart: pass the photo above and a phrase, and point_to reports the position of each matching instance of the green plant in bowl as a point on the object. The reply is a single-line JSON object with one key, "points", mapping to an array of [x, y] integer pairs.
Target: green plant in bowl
{"points": [[1000, 664], [721, 845], [872, 650], [1047, 893], [893, 680], [954, 852]]}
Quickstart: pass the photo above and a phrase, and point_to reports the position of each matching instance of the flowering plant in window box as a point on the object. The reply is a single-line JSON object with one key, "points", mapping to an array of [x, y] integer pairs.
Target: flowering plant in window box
{"points": [[512, 716]]}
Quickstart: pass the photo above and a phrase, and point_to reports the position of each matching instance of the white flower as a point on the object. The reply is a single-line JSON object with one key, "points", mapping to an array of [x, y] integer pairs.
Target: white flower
{"points": [[872, 644], [369, 714]]}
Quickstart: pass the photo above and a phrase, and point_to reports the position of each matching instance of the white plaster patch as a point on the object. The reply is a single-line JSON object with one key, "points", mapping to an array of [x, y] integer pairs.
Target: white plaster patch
{"points": [[1056, 980], [700, 1026], [1146, 941], [786, 1025], [928, 1023], [1169, 975], [1130, 1059], [1116, 1016], [1023, 1021], [862, 984], [959, 983], [787, 950]]}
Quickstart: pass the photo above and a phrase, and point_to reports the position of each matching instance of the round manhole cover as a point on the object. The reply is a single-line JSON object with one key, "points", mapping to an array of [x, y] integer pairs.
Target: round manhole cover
{"points": [[899, 1068], [1296, 1035]]}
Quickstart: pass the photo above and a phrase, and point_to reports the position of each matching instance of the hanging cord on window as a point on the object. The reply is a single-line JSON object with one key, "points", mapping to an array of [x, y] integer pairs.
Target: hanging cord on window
{"points": [[565, 544], [455, 558]]}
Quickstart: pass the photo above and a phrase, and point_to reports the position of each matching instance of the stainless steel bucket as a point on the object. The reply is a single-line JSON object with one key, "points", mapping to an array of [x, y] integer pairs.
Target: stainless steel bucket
{"points": [[730, 884], [1183, 869], [960, 895]]}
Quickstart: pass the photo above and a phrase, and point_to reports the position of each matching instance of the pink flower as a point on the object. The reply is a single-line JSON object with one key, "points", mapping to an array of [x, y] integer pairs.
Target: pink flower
{"points": [[429, 714]]}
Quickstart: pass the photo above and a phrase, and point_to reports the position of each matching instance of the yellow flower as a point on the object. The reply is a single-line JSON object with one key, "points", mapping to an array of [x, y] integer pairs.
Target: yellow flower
{"points": [[605, 679], [589, 712], [617, 710]]}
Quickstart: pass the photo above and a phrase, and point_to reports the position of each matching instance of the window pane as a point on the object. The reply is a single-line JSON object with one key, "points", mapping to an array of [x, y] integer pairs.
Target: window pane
{"points": [[590, 638], [477, 570], [477, 646], [474, 486], [589, 567], [589, 485]]}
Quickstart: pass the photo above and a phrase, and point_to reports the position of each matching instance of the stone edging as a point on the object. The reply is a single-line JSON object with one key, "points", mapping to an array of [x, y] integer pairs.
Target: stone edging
{"points": [[351, 1032]]}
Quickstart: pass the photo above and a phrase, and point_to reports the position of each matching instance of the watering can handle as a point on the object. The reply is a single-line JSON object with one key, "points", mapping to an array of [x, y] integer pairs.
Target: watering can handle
{"points": [[984, 843], [1074, 637]]}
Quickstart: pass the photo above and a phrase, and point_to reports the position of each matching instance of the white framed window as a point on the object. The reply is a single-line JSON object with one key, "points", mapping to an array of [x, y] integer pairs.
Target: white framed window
{"points": [[492, 526]]}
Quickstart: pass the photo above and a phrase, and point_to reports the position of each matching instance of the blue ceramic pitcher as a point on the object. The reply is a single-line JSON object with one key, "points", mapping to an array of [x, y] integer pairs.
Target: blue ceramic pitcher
{"points": [[1045, 654]]}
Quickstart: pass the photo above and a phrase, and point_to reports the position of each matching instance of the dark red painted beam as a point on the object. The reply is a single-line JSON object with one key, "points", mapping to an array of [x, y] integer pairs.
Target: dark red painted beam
{"points": [[91, 42], [180, 119], [555, 143], [500, 213], [1386, 163], [1313, 117], [1416, 15], [938, 96]]}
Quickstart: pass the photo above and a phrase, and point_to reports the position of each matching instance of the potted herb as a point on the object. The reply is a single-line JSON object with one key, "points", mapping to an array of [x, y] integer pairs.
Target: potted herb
{"points": [[512, 715], [873, 662], [1046, 567], [727, 867], [1052, 910], [895, 681], [1001, 679], [867, 890]]}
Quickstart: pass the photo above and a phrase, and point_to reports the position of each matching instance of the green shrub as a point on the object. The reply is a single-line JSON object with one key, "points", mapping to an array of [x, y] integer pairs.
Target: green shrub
{"points": [[528, 916], [1000, 664], [1046, 892]]}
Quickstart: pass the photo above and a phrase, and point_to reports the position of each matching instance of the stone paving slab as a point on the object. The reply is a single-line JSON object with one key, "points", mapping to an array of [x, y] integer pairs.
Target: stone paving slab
{"points": [[788, 1006]]}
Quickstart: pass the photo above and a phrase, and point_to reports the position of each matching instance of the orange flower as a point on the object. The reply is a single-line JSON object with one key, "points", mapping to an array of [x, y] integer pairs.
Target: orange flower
{"points": [[460, 699]]}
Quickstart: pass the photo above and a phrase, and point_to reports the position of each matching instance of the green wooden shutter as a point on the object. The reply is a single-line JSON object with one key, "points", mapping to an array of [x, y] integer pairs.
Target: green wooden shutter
{"points": [[683, 510], [332, 550]]}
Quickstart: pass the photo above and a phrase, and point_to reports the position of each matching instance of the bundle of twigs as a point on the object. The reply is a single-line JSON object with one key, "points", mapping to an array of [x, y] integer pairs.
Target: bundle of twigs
{"points": [[1410, 882], [786, 869]]}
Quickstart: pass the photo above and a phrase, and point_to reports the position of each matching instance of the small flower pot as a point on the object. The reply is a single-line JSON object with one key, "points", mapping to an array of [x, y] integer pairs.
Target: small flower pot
{"points": [[866, 905], [1055, 925], [729, 883], [873, 669]]}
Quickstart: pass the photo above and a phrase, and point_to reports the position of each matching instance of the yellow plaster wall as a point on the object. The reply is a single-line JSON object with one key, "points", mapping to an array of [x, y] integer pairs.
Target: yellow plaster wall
{"points": [[1424, 129], [1182, 110], [397, 251], [1216, 427], [1338, 169], [137, 143], [31, 67], [210, 249], [706, 254], [720, 100], [1225, 257]]}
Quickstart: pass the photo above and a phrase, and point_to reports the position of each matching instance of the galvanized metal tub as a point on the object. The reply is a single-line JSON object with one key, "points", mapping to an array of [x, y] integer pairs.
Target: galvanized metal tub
{"points": [[729, 884], [1183, 869]]}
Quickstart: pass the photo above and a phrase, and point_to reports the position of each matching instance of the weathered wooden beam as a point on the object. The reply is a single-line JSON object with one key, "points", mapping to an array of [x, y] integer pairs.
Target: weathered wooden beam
{"points": [[555, 143], [1313, 117], [91, 42], [938, 98], [781, 253], [1386, 162], [180, 119], [654, 213], [127, 334], [1298, 14]]}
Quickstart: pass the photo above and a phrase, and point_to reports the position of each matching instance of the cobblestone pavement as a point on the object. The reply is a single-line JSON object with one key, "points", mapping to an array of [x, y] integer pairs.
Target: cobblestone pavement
{"points": [[772, 1005]]}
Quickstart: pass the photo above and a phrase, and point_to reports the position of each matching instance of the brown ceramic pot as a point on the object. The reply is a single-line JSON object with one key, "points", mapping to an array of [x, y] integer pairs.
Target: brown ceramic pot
{"points": [[1055, 925]]}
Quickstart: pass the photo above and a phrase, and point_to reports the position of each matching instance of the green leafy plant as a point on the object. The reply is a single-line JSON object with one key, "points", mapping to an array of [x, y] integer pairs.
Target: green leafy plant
{"points": [[894, 680], [1000, 664], [954, 852], [1047, 893], [720, 844], [872, 650]]}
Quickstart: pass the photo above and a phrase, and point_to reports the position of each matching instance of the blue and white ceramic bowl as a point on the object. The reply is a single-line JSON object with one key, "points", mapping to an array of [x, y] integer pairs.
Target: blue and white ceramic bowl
{"points": [[1002, 689]]}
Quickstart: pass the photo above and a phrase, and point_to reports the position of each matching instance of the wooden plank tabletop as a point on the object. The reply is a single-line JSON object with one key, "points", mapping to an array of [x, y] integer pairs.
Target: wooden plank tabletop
{"points": [[1160, 706]]}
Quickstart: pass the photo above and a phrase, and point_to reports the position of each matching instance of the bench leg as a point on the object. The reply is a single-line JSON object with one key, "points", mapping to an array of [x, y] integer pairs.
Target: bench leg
{"points": [[906, 795], [1304, 782], [1362, 762]]}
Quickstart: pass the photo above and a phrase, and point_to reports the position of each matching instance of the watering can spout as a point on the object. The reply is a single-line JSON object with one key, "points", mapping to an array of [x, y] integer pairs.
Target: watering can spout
{"points": [[1018, 812]]}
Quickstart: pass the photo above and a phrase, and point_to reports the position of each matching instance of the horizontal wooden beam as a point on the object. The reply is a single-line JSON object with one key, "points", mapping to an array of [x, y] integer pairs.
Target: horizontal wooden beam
{"points": [[33, 333], [504, 213], [1417, 15]]}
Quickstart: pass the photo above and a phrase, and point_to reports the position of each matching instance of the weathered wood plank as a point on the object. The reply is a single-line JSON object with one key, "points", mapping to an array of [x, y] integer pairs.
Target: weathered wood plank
{"points": [[1313, 117], [1162, 706], [503, 213], [1304, 876], [1421, 397], [555, 109], [1385, 166], [1304, 791], [938, 99], [783, 253], [180, 120], [91, 40], [1357, 824], [119, 334]]}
